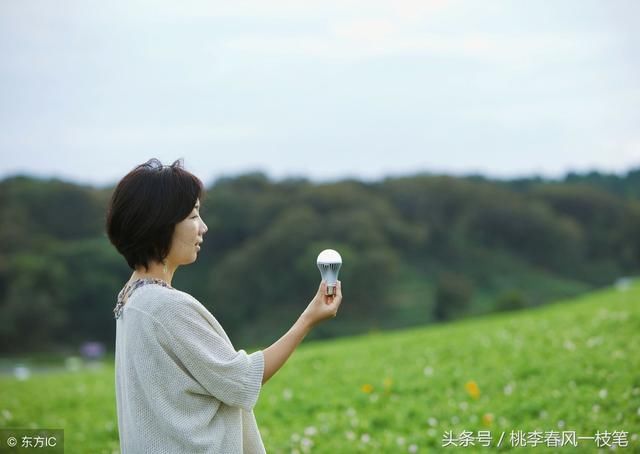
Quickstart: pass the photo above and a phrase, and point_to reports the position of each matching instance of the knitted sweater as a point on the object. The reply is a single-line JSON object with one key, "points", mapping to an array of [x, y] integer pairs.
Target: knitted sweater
{"points": [[181, 387]]}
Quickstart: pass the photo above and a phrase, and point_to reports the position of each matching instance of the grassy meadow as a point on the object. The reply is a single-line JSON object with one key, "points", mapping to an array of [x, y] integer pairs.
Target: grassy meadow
{"points": [[571, 367]]}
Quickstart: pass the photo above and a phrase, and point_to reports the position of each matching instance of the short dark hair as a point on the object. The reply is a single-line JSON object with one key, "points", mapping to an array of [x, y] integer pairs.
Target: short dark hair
{"points": [[145, 207]]}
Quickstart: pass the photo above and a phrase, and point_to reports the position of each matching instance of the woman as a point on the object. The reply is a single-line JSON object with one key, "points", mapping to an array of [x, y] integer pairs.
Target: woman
{"points": [[181, 387]]}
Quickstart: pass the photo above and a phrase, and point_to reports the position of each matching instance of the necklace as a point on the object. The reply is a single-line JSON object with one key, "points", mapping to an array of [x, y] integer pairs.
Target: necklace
{"points": [[130, 287]]}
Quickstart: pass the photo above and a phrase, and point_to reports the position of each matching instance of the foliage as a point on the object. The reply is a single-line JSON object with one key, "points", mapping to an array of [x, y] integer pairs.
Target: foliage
{"points": [[412, 247], [453, 295]]}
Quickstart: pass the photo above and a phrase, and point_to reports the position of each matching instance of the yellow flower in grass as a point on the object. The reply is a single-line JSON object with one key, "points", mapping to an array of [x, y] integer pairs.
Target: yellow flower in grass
{"points": [[367, 388], [487, 419], [472, 389]]}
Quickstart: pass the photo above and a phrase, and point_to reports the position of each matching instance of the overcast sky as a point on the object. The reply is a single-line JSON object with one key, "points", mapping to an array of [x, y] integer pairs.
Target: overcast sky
{"points": [[325, 90]]}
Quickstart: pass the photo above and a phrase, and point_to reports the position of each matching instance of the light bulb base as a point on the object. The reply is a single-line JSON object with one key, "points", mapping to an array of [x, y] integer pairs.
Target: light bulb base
{"points": [[331, 290]]}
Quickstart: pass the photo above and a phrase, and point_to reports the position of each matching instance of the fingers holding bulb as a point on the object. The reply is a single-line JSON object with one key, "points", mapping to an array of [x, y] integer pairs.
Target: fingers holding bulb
{"points": [[324, 306]]}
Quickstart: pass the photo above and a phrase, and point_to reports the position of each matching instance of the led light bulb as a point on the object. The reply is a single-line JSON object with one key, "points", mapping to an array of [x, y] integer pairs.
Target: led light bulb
{"points": [[329, 263]]}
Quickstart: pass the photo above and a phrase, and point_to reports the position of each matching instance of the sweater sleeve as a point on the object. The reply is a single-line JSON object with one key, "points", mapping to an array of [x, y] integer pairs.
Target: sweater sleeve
{"points": [[233, 377]]}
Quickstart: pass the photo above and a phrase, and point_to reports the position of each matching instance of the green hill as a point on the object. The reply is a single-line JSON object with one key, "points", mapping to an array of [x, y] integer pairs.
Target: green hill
{"points": [[569, 367]]}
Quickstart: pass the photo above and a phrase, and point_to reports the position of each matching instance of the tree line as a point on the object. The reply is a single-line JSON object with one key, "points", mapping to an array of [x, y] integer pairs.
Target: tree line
{"points": [[417, 249]]}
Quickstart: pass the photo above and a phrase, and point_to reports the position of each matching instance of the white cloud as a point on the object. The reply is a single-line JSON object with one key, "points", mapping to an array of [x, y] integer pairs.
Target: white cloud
{"points": [[383, 38], [85, 137]]}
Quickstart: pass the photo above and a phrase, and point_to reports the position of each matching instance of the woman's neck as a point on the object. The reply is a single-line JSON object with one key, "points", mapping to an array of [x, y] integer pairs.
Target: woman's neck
{"points": [[155, 271]]}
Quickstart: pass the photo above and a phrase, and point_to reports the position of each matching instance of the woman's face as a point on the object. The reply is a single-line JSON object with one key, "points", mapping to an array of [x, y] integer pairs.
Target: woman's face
{"points": [[187, 236]]}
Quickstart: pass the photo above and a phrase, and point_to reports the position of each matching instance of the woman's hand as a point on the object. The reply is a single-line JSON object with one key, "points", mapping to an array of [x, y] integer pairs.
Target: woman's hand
{"points": [[323, 306]]}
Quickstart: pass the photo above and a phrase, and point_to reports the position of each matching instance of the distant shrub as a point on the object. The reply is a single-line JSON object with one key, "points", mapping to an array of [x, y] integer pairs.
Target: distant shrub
{"points": [[510, 301], [453, 296]]}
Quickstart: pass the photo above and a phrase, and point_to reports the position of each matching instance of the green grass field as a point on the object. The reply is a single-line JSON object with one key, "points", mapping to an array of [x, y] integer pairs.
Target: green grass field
{"points": [[571, 367]]}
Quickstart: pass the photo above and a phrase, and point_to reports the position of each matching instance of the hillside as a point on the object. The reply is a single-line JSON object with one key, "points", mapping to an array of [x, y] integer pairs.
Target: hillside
{"points": [[571, 366]]}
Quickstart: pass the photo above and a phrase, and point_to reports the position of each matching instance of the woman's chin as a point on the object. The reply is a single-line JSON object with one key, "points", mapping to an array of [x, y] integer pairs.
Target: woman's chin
{"points": [[189, 260]]}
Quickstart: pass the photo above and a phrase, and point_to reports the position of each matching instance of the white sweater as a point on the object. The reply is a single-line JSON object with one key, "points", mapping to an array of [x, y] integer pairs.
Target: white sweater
{"points": [[181, 387]]}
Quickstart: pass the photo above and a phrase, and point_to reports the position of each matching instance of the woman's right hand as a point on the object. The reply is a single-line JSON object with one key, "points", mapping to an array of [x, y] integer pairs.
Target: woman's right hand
{"points": [[323, 306]]}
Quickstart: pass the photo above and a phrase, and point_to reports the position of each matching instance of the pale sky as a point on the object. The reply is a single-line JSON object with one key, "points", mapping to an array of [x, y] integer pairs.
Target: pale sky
{"points": [[324, 90]]}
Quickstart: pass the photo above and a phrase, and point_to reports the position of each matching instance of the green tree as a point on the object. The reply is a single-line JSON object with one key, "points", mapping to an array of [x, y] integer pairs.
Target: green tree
{"points": [[453, 296]]}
